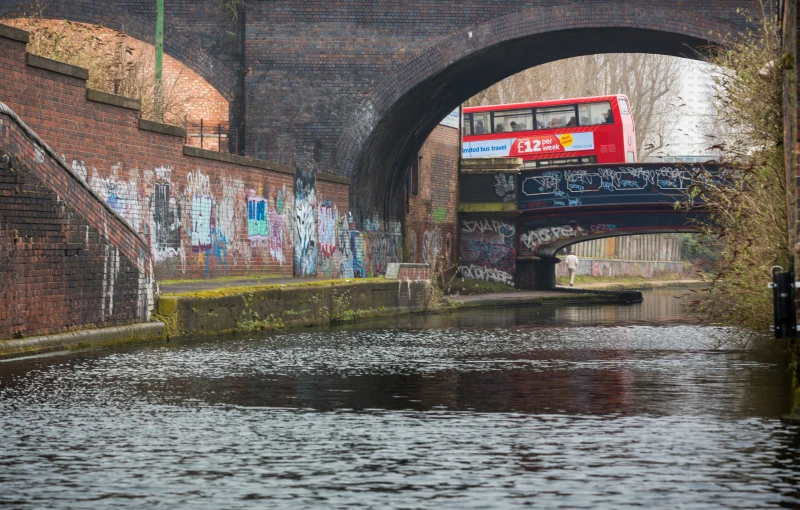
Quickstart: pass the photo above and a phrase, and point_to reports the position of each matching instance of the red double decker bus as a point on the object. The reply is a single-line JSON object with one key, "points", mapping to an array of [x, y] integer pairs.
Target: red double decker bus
{"points": [[577, 131]]}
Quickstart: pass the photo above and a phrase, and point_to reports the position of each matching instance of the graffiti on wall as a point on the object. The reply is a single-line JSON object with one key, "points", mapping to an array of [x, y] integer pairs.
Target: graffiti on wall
{"points": [[257, 219], [327, 216], [562, 188], [431, 245], [305, 222], [532, 239], [200, 215], [487, 250], [347, 252], [166, 225], [504, 186], [203, 218]]}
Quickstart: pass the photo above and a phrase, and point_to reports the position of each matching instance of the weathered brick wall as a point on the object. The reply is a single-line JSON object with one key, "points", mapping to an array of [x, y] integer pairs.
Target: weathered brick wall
{"points": [[202, 214], [186, 91], [66, 261], [431, 221], [362, 84], [202, 217]]}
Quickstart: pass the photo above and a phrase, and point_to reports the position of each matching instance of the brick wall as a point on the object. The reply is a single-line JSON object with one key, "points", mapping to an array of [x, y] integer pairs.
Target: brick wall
{"points": [[192, 101], [66, 261], [201, 217], [431, 221], [204, 214], [362, 84]]}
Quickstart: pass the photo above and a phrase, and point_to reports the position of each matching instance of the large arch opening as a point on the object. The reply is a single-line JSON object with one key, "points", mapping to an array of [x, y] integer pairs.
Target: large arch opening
{"points": [[388, 129]]}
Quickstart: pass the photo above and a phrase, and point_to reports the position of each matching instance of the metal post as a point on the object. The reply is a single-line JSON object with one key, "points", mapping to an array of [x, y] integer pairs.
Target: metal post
{"points": [[159, 59], [201, 133]]}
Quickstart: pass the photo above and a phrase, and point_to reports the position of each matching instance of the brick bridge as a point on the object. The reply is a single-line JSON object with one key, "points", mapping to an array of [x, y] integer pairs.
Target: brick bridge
{"points": [[349, 91], [359, 85]]}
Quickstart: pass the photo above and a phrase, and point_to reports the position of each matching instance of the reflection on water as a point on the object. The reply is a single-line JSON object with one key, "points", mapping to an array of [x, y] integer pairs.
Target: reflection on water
{"points": [[602, 406]]}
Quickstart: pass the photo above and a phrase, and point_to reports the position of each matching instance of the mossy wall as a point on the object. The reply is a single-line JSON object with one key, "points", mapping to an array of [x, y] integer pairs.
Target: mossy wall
{"points": [[275, 306]]}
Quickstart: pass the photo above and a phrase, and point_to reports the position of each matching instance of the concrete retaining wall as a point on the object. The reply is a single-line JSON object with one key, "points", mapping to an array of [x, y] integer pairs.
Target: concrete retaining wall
{"points": [[276, 306]]}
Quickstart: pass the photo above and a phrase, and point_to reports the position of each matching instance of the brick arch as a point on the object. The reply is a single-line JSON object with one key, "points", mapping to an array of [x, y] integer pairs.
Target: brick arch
{"points": [[111, 14], [389, 127]]}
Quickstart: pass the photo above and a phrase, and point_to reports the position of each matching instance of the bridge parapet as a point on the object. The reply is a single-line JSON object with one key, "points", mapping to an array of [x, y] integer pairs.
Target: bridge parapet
{"points": [[610, 185]]}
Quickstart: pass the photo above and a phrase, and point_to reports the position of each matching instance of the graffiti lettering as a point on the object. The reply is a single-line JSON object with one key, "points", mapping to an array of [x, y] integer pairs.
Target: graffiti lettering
{"points": [[486, 274], [532, 240]]}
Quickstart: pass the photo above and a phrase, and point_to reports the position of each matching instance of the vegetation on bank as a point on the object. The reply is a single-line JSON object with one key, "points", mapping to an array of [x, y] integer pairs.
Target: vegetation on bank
{"points": [[748, 209]]}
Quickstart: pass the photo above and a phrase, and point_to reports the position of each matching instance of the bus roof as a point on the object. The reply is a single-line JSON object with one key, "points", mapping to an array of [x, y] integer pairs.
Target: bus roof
{"points": [[535, 104]]}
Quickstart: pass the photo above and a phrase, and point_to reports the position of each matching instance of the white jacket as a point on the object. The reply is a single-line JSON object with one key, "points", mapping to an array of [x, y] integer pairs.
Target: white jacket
{"points": [[572, 261]]}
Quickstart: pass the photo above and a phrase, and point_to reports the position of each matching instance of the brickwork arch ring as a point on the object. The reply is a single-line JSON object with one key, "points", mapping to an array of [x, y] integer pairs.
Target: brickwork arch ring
{"points": [[388, 128], [184, 49]]}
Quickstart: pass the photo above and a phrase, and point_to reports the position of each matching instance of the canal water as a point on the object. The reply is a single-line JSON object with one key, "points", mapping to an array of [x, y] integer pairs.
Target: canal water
{"points": [[571, 407]]}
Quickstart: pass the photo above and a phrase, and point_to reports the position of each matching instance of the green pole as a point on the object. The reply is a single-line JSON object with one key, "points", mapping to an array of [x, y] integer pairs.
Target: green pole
{"points": [[159, 58]]}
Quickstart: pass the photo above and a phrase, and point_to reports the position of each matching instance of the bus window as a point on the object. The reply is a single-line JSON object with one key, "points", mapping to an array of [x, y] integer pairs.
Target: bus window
{"points": [[623, 106], [467, 124], [593, 114], [555, 117], [515, 120], [481, 123]]}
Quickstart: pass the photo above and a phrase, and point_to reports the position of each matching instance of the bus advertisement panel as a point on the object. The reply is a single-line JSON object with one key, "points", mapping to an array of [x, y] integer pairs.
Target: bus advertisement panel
{"points": [[551, 133]]}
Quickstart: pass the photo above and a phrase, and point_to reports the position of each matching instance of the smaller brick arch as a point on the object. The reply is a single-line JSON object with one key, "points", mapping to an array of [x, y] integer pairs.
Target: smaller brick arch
{"points": [[187, 50], [388, 128]]}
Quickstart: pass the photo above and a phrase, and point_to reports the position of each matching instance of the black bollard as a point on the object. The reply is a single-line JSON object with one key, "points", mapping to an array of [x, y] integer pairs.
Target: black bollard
{"points": [[783, 304]]}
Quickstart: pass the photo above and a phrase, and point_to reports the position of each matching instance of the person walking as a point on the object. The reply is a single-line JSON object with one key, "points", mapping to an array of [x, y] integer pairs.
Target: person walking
{"points": [[572, 267]]}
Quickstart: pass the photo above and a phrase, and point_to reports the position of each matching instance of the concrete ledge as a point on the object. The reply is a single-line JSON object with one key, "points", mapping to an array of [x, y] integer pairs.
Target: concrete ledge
{"points": [[104, 337], [197, 152], [14, 33], [56, 66], [112, 99], [164, 129], [338, 179]]}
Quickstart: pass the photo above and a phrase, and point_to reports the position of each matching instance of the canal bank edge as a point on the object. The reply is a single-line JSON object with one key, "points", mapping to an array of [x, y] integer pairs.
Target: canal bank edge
{"points": [[282, 306], [149, 332], [542, 298]]}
